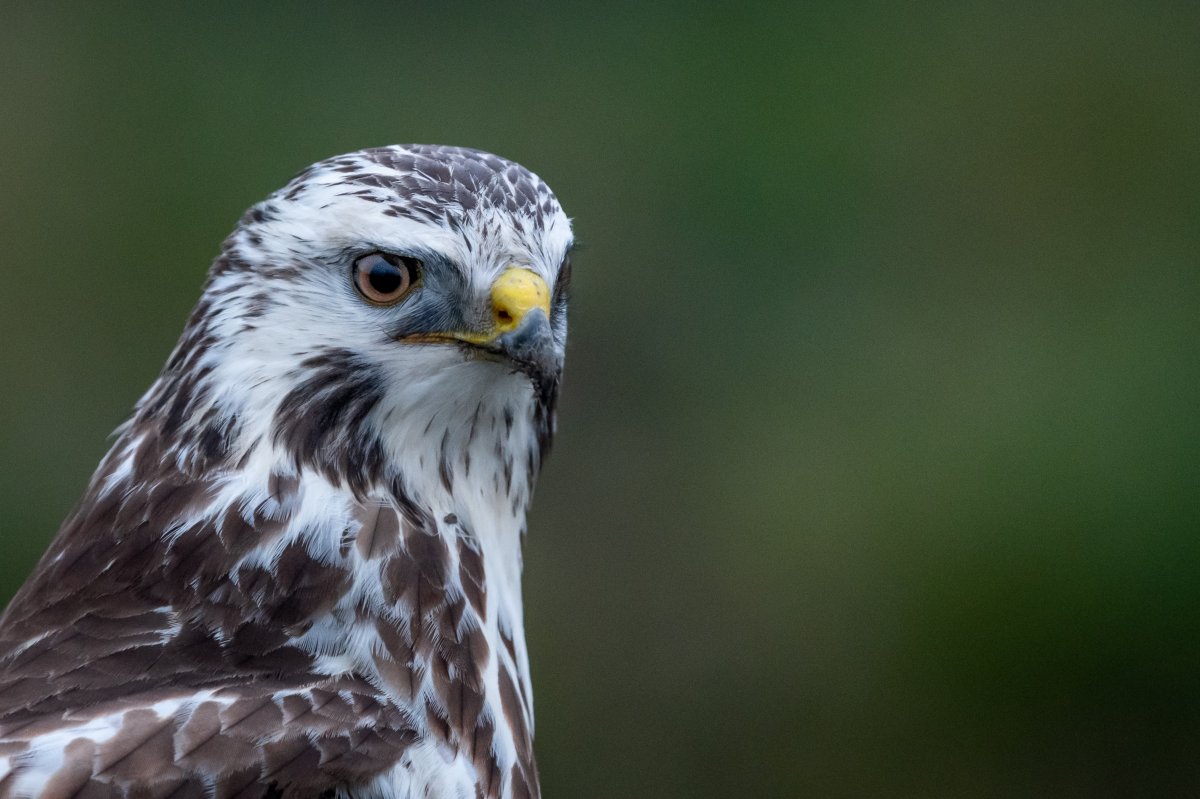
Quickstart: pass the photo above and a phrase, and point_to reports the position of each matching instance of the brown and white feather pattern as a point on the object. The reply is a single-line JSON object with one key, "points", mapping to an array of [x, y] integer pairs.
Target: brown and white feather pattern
{"points": [[297, 571]]}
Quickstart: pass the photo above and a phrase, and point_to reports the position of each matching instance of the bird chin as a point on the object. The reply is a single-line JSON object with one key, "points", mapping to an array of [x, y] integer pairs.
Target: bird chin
{"points": [[543, 373], [529, 350]]}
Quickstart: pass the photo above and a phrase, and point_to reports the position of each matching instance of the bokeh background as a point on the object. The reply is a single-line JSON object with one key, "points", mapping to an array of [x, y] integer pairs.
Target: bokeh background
{"points": [[880, 445]]}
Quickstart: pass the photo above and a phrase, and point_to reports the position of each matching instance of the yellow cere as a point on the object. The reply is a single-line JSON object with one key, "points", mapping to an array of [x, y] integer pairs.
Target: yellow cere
{"points": [[514, 294]]}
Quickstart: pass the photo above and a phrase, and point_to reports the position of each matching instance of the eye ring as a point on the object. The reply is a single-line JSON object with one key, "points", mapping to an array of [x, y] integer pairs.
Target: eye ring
{"points": [[384, 278]]}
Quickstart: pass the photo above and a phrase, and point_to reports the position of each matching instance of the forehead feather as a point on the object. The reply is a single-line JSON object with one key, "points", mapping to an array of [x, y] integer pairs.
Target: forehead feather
{"points": [[444, 189], [480, 211]]}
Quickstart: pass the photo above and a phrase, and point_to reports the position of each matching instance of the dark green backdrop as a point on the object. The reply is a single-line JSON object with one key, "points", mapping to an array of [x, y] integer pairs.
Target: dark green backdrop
{"points": [[878, 462]]}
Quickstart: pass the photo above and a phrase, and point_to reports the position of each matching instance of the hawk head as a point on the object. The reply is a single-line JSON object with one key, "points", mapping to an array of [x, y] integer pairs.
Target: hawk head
{"points": [[297, 571], [380, 297]]}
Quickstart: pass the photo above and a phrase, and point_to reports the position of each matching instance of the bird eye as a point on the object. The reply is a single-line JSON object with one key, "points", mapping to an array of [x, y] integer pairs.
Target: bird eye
{"points": [[383, 278]]}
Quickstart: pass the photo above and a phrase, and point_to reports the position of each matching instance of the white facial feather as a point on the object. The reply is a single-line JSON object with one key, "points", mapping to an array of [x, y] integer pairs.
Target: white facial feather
{"points": [[312, 474]]}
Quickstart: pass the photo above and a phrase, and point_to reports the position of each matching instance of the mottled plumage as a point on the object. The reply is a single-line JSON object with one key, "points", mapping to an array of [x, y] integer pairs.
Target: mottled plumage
{"points": [[297, 571]]}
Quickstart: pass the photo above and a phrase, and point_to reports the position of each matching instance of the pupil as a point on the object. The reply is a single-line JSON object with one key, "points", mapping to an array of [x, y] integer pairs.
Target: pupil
{"points": [[385, 278]]}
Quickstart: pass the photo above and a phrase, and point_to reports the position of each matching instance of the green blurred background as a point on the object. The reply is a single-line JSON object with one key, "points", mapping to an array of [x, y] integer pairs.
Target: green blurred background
{"points": [[878, 462]]}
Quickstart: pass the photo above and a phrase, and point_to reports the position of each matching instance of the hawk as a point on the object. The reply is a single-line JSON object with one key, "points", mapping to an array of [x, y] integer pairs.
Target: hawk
{"points": [[297, 572]]}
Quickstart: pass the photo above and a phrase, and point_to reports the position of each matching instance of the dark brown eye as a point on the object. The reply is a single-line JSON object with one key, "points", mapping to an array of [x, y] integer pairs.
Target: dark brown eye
{"points": [[384, 278]]}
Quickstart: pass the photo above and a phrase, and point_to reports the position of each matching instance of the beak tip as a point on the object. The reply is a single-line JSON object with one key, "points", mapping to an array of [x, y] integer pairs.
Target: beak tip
{"points": [[531, 342]]}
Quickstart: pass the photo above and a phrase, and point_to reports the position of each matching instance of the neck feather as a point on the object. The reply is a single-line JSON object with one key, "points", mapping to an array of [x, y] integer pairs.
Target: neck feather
{"points": [[327, 530]]}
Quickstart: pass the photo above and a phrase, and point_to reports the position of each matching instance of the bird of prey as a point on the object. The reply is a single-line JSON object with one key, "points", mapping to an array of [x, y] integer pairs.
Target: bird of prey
{"points": [[297, 572]]}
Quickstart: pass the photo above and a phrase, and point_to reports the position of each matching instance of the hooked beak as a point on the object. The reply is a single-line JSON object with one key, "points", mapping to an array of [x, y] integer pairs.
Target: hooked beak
{"points": [[520, 325]]}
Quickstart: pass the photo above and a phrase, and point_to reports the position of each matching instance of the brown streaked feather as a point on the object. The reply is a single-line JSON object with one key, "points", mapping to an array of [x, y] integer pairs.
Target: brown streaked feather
{"points": [[254, 597]]}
